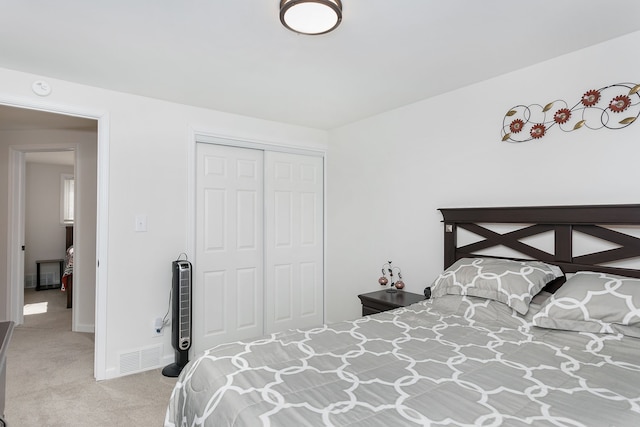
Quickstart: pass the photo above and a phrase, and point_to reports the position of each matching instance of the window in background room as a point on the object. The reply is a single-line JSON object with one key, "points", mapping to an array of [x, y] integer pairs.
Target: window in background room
{"points": [[66, 198]]}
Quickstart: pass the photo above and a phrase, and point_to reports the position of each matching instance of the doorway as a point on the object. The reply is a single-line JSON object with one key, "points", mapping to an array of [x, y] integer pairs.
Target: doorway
{"points": [[48, 221], [33, 130]]}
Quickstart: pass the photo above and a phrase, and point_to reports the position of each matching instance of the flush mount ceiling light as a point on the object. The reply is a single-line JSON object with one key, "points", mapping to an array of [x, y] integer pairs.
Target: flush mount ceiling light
{"points": [[311, 16]]}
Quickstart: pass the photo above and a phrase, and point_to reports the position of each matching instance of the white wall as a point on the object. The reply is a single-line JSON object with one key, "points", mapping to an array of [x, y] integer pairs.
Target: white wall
{"points": [[148, 145], [387, 175], [44, 234]]}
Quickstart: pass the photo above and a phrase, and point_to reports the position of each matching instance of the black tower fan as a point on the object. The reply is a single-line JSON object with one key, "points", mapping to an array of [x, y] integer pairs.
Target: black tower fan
{"points": [[181, 317]]}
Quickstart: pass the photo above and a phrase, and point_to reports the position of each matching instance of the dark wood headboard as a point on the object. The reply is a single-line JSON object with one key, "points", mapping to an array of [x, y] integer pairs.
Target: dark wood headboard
{"points": [[68, 237], [563, 221]]}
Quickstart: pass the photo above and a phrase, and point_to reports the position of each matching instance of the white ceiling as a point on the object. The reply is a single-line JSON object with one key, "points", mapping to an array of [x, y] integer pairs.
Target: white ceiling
{"points": [[235, 56]]}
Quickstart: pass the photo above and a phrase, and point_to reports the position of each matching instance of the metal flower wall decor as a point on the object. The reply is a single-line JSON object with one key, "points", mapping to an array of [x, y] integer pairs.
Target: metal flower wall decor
{"points": [[612, 107]]}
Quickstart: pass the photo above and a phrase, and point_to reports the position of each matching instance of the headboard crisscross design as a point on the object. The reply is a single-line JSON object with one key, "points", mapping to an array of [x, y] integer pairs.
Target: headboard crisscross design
{"points": [[510, 240], [563, 221], [629, 245]]}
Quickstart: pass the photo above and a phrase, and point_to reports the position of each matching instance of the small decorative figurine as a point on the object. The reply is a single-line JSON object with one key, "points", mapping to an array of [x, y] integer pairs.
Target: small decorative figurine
{"points": [[383, 281]]}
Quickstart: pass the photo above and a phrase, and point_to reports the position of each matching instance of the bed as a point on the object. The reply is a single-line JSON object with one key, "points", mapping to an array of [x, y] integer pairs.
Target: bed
{"points": [[550, 338], [67, 275]]}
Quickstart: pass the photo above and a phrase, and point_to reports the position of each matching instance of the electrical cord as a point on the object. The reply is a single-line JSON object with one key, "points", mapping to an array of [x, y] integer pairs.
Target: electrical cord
{"points": [[165, 320]]}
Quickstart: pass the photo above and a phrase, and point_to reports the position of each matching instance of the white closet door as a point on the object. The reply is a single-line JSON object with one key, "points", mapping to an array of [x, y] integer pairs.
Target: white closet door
{"points": [[293, 241], [228, 283]]}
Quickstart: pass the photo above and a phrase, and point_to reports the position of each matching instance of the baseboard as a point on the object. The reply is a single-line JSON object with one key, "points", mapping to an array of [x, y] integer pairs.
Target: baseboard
{"points": [[87, 328]]}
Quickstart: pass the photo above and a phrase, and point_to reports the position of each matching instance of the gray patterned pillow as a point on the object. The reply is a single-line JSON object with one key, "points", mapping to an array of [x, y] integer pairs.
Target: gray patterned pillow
{"points": [[511, 282], [594, 302]]}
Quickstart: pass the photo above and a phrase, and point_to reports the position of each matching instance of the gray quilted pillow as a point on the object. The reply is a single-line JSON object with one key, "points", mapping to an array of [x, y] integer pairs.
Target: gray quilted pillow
{"points": [[594, 302], [514, 283]]}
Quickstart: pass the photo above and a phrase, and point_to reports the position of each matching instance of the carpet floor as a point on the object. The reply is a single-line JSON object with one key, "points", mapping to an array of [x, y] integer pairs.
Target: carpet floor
{"points": [[50, 378]]}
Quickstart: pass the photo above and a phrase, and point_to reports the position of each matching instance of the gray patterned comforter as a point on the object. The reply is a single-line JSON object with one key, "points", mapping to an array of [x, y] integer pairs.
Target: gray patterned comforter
{"points": [[453, 361]]}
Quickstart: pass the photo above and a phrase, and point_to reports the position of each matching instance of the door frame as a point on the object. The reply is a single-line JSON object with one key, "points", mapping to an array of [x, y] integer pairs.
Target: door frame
{"points": [[16, 222], [204, 137], [16, 217]]}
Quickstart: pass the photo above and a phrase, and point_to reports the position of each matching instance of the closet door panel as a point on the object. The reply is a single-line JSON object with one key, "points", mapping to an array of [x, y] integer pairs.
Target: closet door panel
{"points": [[248, 223], [214, 289], [283, 304], [214, 205], [293, 241], [309, 285], [311, 204], [282, 219], [229, 271], [247, 305]]}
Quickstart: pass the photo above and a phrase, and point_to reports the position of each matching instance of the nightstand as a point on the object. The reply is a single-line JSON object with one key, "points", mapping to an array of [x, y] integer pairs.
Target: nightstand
{"points": [[39, 284], [379, 301]]}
